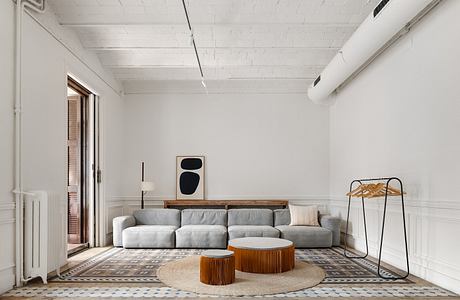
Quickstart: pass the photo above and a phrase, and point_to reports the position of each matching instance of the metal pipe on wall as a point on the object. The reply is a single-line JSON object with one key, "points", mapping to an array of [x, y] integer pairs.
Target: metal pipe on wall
{"points": [[39, 7]]}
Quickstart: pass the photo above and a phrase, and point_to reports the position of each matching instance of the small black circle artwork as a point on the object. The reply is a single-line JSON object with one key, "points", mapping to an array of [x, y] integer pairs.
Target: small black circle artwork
{"points": [[189, 182]]}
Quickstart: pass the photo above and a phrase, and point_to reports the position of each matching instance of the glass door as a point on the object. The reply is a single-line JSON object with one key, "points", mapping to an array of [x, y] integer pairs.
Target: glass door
{"points": [[80, 157]]}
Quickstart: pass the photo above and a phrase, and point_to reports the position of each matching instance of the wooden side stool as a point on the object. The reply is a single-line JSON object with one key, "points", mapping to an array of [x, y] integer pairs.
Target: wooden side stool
{"points": [[217, 267]]}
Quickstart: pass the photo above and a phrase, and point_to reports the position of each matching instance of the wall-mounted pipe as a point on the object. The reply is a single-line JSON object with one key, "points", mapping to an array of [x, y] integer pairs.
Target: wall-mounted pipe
{"points": [[39, 7], [387, 23]]}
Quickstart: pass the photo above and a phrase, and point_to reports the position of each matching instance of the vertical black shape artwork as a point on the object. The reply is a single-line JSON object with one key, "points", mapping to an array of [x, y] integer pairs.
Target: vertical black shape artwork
{"points": [[190, 177]]}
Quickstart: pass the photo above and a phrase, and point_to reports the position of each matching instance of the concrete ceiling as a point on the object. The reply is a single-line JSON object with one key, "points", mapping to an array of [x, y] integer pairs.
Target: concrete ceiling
{"points": [[256, 42]]}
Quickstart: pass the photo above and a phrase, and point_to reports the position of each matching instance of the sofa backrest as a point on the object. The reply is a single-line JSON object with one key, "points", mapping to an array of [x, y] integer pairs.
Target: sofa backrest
{"points": [[157, 216], [204, 217], [282, 216], [250, 216]]}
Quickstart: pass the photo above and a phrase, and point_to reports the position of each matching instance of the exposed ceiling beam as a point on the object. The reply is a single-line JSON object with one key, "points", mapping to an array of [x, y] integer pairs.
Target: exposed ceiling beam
{"points": [[264, 86], [271, 78], [144, 66], [204, 48], [102, 24]]}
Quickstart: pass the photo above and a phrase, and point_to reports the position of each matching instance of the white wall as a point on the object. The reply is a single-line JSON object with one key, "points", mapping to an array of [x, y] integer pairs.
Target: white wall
{"points": [[400, 117], [46, 63], [257, 146]]}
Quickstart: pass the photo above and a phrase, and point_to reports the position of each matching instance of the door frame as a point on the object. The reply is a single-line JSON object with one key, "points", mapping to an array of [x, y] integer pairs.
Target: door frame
{"points": [[93, 189]]}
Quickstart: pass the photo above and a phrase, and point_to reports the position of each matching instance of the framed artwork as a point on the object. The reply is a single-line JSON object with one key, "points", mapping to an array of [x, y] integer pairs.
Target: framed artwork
{"points": [[190, 177]]}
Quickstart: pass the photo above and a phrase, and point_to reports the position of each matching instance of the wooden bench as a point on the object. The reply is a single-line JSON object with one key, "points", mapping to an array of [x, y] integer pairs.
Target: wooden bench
{"points": [[227, 204]]}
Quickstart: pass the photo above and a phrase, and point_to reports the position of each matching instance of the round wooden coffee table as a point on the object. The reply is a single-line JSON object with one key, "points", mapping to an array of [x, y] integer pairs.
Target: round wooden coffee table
{"points": [[217, 267], [263, 255]]}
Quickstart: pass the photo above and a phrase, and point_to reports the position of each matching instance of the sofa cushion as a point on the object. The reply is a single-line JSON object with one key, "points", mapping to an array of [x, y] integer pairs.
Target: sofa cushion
{"points": [[250, 216], [201, 236], [306, 236], [149, 236], [302, 215], [282, 216], [157, 216], [204, 217], [240, 231]]}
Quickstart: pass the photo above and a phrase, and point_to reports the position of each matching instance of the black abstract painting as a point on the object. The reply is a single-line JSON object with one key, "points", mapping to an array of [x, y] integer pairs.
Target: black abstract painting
{"points": [[190, 177]]}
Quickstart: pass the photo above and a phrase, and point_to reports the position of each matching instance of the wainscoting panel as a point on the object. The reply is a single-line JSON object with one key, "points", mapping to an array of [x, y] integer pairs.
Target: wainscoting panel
{"points": [[432, 229], [115, 209], [7, 233]]}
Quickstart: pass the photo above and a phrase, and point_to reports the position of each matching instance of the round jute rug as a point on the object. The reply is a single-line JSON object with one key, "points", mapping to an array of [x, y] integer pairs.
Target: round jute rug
{"points": [[184, 274]]}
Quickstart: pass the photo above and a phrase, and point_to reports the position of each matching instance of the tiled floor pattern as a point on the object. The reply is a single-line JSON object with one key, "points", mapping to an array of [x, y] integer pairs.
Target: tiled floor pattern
{"points": [[97, 290], [140, 265], [166, 292]]}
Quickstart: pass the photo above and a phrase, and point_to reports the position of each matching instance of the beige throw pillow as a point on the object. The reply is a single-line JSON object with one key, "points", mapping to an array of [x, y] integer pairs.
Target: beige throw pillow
{"points": [[304, 215]]}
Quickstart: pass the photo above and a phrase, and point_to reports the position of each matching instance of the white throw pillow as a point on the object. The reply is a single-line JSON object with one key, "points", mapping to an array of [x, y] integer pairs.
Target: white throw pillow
{"points": [[304, 215]]}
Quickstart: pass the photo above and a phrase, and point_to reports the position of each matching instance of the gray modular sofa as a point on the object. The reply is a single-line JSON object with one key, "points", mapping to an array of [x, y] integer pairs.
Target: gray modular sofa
{"points": [[202, 228], [147, 228], [251, 223], [212, 228]]}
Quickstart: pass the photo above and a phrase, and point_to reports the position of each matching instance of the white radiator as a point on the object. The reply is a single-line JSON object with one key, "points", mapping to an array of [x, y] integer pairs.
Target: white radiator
{"points": [[36, 235]]}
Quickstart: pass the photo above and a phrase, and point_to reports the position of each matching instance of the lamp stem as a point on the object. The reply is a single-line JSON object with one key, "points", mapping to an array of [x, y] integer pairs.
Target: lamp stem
{"points": [[142, 192]]}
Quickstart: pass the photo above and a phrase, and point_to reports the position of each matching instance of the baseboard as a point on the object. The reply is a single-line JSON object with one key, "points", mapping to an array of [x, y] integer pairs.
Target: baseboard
{"points": [[6, 279]]}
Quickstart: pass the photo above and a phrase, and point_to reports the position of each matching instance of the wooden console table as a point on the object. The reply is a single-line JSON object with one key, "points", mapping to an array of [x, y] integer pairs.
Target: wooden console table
{"points": [[224, 203]]}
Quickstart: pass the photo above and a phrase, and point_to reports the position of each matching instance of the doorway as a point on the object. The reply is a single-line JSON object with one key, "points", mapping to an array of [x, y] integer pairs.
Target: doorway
{"points": [[81, 177]]}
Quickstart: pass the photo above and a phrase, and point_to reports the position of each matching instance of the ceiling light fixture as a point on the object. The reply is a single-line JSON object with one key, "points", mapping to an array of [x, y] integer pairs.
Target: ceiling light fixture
{"points": [[192, 41]]}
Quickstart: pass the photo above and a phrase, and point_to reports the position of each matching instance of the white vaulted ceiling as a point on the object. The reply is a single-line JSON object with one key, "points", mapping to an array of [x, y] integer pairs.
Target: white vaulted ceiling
{"points": [[247, 43]]}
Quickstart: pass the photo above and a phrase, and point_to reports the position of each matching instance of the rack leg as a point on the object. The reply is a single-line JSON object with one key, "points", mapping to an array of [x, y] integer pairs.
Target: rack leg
{"points": [[383, 230]]}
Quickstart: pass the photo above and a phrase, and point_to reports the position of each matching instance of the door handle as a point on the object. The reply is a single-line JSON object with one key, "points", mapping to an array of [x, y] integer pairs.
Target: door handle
{"points": [[99, 176]]}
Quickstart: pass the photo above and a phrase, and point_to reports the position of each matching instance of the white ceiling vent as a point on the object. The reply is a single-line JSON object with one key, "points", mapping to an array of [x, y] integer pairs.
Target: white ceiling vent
{"points": [[387, 22]]}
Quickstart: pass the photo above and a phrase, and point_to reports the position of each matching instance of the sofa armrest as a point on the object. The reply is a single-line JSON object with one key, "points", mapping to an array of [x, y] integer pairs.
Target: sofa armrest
{"points": [[333, 224], [120, 224]]}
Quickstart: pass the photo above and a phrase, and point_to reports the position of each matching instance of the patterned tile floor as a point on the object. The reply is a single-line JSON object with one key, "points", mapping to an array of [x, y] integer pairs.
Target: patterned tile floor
{"points": [[418, 290], [141, 265], [166, 292]]}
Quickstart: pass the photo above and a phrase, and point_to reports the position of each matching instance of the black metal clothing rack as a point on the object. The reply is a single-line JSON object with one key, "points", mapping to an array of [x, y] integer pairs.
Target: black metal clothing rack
{"points": [[388, 180]]}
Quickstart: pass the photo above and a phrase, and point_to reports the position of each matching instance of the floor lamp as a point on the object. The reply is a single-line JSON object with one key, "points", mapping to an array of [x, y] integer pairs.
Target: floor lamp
{"points": [[146, 186]]}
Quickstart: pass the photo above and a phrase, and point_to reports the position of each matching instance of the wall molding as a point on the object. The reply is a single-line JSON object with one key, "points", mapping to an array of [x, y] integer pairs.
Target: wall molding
{"points": [[408, 201], [7, 206], [7, 221], [4, 268], [114, 204]]}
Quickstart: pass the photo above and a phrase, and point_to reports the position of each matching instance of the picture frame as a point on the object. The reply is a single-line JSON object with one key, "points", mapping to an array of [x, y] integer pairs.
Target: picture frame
{"points": [[190, 177]]}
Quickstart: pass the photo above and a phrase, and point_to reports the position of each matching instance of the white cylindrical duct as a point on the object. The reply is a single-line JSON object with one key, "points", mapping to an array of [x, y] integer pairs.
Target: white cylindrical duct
{"points": [[373, 34]]}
